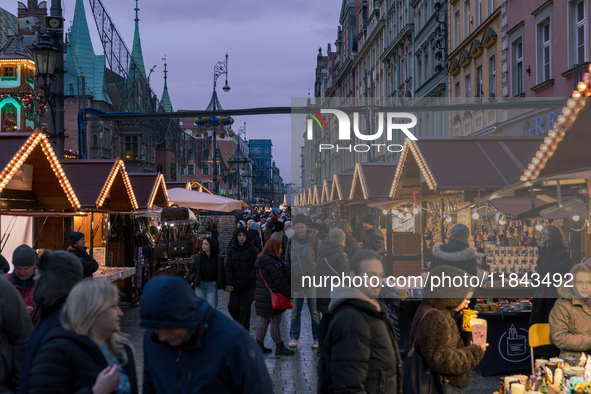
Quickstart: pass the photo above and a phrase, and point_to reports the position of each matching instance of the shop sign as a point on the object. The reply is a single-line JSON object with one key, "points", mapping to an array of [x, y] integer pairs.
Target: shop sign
{"points": [[540, 125], [513, 345]]}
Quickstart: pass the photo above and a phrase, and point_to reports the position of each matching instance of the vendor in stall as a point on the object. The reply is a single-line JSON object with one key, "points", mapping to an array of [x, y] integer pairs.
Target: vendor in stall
{"points": [[570, 318], [89, 265]]}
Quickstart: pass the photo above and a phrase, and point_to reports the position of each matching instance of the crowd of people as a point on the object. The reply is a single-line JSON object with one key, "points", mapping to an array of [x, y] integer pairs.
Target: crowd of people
{"points": [[60, 329]]}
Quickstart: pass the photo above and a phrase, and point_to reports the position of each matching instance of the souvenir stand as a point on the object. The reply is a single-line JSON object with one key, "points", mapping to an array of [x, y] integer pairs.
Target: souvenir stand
{"points": [[556, 184], [152, 196], [36, 196], [440, 193], [108, 198]]}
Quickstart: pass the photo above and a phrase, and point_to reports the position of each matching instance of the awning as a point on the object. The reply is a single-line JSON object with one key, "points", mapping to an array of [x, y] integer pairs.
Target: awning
{"points": [[199, 200], [521, 207]]}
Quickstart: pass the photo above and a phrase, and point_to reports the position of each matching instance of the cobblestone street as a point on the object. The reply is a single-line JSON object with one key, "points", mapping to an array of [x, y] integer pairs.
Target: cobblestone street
{"points": [[290, 374]]}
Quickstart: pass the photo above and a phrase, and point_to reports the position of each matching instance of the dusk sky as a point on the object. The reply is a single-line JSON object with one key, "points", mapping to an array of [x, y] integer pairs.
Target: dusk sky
{"points": [[272, 47]]}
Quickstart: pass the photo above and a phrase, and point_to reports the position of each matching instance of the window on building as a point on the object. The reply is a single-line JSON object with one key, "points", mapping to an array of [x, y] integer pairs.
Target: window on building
{"points": [[191, 169], [467, 86], [479, 88], [467, 16], [517, 67], [131, 147], [577, 32], [478, 13], [491, 7], [426, 63], [8, 72], [419, 71], [544, 51], [457, 28], [492, 76], [205, 170]]}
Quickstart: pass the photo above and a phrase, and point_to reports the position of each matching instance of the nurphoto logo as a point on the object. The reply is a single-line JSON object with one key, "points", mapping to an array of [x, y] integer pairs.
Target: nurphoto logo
{"points": [[392, 121]]}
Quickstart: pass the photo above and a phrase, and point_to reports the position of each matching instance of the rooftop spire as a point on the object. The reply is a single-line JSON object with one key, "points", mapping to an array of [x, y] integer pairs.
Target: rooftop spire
{"points": [[136, 52], [165, 104]]}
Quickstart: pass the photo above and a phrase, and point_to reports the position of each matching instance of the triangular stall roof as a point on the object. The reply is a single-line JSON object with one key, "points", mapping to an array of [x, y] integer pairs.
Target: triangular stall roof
{"points": [[341, 187], [461, 163], [184, 185], [50, 188], [198, 186], [326, 191], [371, 180], [565, 150], [317, 194], [149, 189], [108, 189]]}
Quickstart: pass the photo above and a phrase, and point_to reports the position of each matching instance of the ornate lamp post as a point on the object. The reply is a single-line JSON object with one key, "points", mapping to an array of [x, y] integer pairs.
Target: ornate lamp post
{"points": [[210, 123]]}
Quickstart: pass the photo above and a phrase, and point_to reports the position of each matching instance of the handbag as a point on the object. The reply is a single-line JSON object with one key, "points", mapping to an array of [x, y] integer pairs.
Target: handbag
{"points": [[278, 300], [418, 379]]}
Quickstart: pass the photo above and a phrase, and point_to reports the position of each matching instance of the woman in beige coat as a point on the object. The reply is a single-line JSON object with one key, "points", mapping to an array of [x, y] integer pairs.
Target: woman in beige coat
{"points": [[570, 318]]}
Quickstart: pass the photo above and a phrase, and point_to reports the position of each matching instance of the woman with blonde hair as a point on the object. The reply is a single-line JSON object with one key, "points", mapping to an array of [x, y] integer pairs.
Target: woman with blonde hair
{"points": [[88, 352]]}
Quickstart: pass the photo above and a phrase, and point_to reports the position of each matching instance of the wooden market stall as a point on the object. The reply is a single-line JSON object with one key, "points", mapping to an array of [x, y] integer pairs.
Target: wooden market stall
{"points": [[339, 194], [33, 183], [150, 190], [108, 197]]}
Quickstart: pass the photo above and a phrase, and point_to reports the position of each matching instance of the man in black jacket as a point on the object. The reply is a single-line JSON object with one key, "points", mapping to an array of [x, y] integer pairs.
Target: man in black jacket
{"points": [[360, 352], [253, 234], [241, 277], [89, 265], [374, 239]]}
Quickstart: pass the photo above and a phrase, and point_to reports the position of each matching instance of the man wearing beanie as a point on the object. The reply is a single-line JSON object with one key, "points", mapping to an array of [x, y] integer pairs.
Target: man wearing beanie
{"points": [[58, 272], [374, 239], [456, 252], [300, 256], [24, 259], [216, 354], [4, 266], [89, 265], [241, 276]]}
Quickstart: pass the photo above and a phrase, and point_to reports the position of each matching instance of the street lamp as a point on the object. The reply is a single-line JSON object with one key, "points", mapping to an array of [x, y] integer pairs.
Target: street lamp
{"points": [[45, 60]]}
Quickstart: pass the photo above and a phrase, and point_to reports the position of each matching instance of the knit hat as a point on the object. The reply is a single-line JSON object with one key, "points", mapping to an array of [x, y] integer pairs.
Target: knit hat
{"points": [[254, 226], [369, 219], [76, 236], [460, 231], [278, 227], [24, 256], [337, 235], [300, 218], [59, 272]]}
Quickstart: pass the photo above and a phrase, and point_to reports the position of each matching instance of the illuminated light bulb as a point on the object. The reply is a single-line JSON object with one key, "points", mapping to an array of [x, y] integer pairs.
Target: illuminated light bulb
{"points": [[475, 215], [448, 219], [385, 212], [571, 103], [561, 119], [395, 211], [566, 112], [544, 148], [582, 86], [539, 227], [552, 134], [586, 77], [415, 210], [536, 161], [576, 218], [502, 222]]}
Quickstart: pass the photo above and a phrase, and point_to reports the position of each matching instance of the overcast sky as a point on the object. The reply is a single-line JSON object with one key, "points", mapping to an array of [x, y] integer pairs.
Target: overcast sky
{"points": [[272, 47]]}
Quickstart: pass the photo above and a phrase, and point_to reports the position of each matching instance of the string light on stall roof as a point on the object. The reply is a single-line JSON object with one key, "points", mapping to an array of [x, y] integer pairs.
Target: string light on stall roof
{"points": [[415, 210], [475, 215], [576, 218], [448, 219], [539, 227], [385, 211]]}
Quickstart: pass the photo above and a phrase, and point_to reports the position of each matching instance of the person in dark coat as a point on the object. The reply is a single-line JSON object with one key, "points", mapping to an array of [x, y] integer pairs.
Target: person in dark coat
{"points": [[456, 252], [86, 354], [331, 260], [351, 244], [58, 272], [271, 276], [437, 337], [553, 257], [15, 327], [374, 239], [24, 259], [255, 237], [360, 353], [207, 272], [241, 277], [89, 264], [190, 347]]}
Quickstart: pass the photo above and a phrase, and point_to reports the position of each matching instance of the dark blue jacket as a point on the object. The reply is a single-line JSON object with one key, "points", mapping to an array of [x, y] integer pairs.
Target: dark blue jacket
{"points": [[50, 319], [219, 356]]}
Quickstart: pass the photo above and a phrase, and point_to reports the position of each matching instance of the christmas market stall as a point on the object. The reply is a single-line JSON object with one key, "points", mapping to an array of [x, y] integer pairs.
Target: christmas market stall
{"points": [[371, 184], [37, 200], [108, 198], [339, 194]]}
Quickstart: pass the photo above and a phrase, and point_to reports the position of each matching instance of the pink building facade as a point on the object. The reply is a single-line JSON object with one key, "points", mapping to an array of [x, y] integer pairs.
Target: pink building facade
{"points": [[547, 47]]}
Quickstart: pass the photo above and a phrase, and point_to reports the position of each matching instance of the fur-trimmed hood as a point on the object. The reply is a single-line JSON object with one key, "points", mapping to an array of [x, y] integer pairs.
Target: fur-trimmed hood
{"points": [[454, 251], [341, 294]]}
